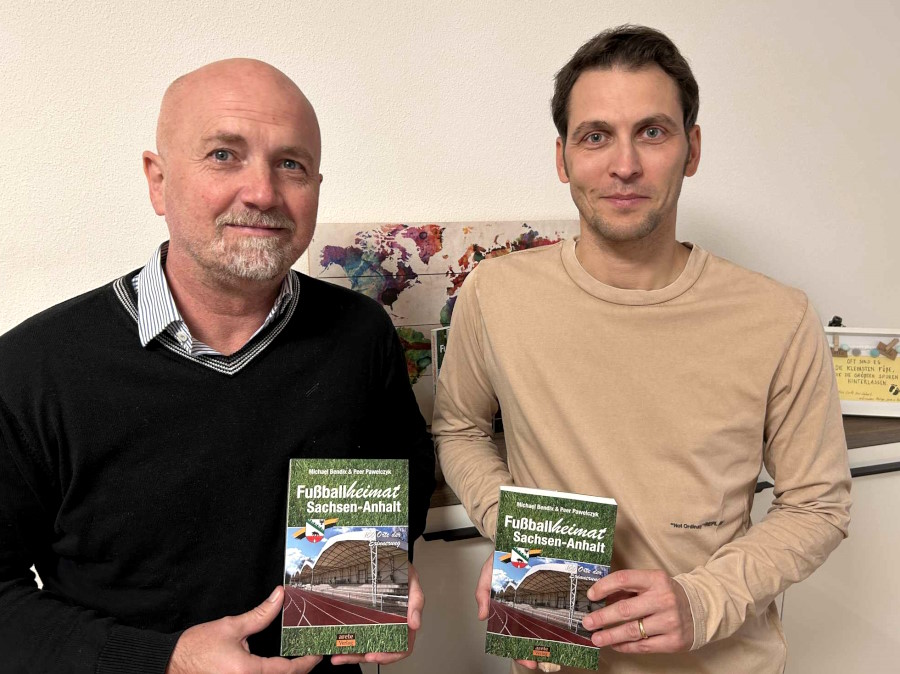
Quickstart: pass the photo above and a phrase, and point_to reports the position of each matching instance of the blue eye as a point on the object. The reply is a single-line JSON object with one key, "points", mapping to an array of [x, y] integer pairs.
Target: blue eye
{"points": [[595, 137], [290, 164], [221, 155], [653, 133]]}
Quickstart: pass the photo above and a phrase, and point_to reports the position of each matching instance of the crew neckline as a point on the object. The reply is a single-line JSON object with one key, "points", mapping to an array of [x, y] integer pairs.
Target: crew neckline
{"points": [[689, 275]]}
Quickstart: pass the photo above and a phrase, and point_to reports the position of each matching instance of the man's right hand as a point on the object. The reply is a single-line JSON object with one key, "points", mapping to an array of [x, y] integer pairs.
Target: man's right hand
{"points": [[220, 646]]}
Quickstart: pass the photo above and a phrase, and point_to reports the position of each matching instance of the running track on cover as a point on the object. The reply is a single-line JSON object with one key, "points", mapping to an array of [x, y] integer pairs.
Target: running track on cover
{"points": [[506, 620], [309, 608]]}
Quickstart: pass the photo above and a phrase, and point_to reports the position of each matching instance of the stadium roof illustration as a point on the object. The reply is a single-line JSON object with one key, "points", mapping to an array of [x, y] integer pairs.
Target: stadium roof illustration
{"points": [[547, 578], [551, 578], [353, 548]]}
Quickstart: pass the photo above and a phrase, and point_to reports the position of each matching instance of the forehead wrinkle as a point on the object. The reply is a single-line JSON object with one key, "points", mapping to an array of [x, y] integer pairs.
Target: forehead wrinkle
{"points": [[223, 136]]}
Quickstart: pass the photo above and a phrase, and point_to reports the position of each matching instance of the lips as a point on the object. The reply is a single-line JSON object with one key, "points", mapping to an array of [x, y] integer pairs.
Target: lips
{"points": [[244, 226], [259, 230], [624, 200]]}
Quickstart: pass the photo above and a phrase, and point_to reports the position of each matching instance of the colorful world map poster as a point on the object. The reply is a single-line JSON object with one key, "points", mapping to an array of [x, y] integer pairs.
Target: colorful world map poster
{"points": [[416, 270]]}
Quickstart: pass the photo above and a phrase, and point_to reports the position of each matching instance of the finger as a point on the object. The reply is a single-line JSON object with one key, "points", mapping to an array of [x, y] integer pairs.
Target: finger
{"points": [[348, 659], [305, 664], [658, 644], [416, 600], [627, 580], [625, 633], [386, 658], [410, 641], [483, 589], [376, 658], [527, 664], [257, 619], [284, 666], [621, 612]]}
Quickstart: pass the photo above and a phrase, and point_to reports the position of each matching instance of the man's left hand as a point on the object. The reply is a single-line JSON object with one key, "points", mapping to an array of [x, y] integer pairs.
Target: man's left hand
{"points": [[413, 618], [650, 596]]}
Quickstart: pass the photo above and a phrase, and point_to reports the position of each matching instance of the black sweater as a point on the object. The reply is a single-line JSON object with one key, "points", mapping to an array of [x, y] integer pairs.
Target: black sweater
{"points": [[149, 491]]}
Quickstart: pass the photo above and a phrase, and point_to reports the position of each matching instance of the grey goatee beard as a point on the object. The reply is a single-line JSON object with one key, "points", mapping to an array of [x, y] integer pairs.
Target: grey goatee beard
{"points": [[255, 258]]}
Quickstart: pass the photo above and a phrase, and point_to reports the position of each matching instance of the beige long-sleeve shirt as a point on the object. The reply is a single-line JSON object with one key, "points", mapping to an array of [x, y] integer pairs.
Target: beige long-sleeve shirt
{"points": [[668, 401]]}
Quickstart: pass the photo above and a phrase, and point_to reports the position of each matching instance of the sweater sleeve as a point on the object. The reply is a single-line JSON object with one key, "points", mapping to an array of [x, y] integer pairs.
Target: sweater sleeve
{"points": [[463, 410], [40, 630], [805, 452]]}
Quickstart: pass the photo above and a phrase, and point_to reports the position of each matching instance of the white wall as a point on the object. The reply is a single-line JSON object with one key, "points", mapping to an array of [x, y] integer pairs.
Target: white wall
{"points": [[844, 617], [439, 111]]}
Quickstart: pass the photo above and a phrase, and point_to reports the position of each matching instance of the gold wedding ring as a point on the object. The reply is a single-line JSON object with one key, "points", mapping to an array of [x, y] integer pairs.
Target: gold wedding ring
{"points": [[641, 628]]}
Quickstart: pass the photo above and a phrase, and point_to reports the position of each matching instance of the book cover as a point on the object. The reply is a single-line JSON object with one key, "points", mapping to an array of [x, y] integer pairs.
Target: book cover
{"points": [[438, 348], [346, 577], [550, 548]]}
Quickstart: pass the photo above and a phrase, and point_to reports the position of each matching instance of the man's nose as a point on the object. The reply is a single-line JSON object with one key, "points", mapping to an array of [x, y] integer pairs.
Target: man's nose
{"points": [[260, 189], [625, 162]]}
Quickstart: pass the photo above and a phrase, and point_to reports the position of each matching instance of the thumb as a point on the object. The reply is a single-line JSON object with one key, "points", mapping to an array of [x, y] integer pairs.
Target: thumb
{"points": [[257, 619], [483, 599], [483, 589], [483, 603]]}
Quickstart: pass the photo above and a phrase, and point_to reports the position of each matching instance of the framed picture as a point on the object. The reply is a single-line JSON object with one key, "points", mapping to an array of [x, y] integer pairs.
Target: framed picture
{"points": [[415, 271], [867, 369]]}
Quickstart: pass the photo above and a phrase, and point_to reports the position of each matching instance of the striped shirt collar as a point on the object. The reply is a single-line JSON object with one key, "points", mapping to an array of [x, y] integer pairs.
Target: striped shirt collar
{"points": [[157, 312]]}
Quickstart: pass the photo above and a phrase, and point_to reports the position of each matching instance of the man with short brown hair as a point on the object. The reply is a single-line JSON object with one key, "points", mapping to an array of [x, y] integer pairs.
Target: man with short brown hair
{"points": [[633, 366]]}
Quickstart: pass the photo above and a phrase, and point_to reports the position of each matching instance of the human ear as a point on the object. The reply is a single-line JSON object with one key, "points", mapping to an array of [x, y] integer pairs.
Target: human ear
{"points": [[154, 170], [693, 159], [561, 169]]}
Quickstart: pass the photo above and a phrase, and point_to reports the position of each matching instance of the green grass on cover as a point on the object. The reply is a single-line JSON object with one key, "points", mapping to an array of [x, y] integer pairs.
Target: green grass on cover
{"points": [[554, 508], [297, 513], [321, 640], [519, 648]]}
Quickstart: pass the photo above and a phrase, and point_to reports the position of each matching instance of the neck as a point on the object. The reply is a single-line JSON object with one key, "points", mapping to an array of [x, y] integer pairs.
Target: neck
{"points": [[646, 264], [221, 313]]}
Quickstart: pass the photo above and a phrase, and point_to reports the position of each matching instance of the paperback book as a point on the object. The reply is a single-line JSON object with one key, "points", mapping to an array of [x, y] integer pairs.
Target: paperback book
{"points": [[550, 548], [438, 348], [346, 573]]}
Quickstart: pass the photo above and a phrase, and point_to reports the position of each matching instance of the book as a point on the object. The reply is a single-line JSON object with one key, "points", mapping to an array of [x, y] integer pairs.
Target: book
{"points": [[438, 348], [346, 575], [550, 548]]}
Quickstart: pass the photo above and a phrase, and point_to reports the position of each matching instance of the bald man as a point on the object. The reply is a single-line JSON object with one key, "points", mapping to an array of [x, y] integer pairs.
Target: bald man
{"points": [[146, 426]]}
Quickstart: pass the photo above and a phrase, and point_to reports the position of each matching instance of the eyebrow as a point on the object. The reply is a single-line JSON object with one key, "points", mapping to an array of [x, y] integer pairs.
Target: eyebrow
{"points": [[296, 151], [602, 125], [659, 118]]}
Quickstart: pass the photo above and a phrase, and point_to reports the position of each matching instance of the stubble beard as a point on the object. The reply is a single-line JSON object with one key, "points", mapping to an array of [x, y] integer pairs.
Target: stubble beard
{"points": [[607, 231], [253, 258]]}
